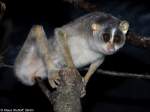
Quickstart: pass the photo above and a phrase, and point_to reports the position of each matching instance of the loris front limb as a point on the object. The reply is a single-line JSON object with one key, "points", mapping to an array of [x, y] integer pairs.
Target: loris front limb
{"points": [[93, 67], [34, 59]]}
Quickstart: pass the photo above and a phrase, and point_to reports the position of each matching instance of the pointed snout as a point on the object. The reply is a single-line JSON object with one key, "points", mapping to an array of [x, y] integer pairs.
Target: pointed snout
{"points": [[110, 47]]}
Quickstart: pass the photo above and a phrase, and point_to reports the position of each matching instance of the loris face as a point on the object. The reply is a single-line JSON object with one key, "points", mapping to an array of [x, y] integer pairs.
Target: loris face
{"points": [[108, 39]]}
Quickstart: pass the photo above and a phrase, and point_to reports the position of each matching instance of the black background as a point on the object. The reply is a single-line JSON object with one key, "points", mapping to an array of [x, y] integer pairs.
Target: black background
{"points": [[104, 93]]}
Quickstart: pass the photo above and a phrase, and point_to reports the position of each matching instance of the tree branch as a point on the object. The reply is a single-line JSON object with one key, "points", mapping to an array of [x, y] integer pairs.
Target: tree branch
{"points": [[5, 65], [138, 40], [83, 4], [67, 96], [121, 74]]}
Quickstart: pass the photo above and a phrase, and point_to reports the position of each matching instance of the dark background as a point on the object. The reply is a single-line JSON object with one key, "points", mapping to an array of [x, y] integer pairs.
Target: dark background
{"points": [[104, 93]]}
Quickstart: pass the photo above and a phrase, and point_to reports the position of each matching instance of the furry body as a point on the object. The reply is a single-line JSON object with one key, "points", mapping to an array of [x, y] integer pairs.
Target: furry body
{"points": [[85, 44]]}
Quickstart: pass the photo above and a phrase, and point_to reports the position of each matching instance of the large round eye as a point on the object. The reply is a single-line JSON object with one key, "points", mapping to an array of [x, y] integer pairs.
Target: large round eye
{"points": [[117, 39], [106, 37]]}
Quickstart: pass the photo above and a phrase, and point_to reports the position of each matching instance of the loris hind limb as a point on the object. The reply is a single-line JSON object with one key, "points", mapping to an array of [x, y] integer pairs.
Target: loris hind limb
{"points": [[34, 59]]}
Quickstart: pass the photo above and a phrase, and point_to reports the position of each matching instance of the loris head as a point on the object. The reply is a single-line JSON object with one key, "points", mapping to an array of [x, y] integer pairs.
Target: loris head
{"points": [[109, 36]]}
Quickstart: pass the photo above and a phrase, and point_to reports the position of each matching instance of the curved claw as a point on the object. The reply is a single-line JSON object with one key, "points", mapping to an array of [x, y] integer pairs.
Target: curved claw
{"points": [[52, 83], [54, 79], [57, 81], [83, 90], [84, 81]]}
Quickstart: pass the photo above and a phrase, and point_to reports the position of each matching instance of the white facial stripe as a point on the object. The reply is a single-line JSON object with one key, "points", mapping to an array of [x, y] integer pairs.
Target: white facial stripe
{"points": [[113, 34]]}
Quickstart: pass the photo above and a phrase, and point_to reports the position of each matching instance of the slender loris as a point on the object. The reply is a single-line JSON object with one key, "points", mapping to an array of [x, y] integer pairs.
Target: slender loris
{"points": [[89, 38]]}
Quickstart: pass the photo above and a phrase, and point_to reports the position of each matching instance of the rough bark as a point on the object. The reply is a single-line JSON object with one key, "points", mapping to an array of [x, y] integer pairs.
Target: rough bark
{"points": [[67, 96]]}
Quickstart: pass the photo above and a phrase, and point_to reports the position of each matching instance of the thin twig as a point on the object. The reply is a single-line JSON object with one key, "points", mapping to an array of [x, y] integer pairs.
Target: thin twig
{"points": [[105, 72], [5, 65], [83, 4], [121, 74]]}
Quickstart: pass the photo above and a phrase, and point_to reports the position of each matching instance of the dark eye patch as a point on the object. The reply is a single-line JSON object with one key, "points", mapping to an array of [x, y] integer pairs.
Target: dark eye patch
{"points": [[118, 39], [106, 37]]}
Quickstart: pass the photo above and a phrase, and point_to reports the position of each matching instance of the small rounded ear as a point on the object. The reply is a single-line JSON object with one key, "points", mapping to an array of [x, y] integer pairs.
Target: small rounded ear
{"points": [[95, 27], [124, 26]]}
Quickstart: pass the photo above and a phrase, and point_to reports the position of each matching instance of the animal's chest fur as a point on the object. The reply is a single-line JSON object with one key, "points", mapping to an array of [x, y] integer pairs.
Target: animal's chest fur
{"points": [[81, 53]]}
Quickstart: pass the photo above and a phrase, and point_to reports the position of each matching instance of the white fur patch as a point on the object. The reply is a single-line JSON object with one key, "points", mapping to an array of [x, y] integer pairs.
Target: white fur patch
{"points": [[113, 34], [30, 67], [81, 53]]}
